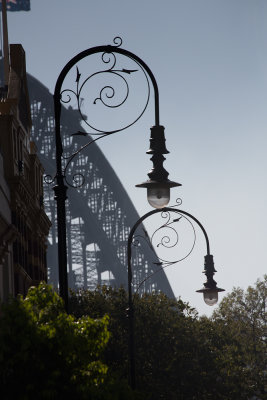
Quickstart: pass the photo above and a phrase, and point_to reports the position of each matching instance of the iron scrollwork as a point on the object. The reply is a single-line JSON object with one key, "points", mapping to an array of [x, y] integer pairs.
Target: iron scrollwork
{"points": [[165, 237], [107, 96], [107, 92], [49, 179]]}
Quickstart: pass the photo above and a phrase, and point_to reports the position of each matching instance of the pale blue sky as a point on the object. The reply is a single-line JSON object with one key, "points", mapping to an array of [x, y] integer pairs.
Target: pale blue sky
{"points": [[210, 61]]}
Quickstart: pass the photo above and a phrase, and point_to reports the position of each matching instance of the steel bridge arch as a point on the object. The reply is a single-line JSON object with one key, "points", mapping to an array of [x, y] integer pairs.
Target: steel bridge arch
{"points": [[99, 215]]}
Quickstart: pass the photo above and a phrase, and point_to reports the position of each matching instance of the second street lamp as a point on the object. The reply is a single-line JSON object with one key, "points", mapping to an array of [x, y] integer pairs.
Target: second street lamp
{"points": [[172, 216]]}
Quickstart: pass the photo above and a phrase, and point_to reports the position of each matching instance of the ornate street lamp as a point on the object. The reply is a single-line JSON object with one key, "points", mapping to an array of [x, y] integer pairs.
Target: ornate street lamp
{"points": [[158, 185], [172, 217]]}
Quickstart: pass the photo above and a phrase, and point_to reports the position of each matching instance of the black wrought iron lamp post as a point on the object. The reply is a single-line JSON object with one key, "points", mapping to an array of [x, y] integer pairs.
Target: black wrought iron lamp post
{"points": [[210, 290], [158, 185]]}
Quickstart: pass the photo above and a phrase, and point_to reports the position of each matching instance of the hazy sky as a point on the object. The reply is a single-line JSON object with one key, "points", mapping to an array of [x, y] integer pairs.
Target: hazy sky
{"points": [[210, 61]]}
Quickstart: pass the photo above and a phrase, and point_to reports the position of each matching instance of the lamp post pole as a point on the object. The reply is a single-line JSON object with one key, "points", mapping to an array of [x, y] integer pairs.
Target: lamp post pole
{"points": [[60, 190]]}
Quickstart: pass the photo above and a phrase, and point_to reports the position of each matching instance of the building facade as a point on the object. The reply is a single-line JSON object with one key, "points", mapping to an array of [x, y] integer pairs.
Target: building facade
{"points": [[24, 226]]}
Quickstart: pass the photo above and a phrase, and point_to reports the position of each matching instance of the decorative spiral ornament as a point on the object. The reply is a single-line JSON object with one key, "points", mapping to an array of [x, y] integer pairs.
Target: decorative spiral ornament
{"points": [[77, 180], [108, 92], [48, 179], [109, 58], [69, 94], [117, 41], [178, 202]]}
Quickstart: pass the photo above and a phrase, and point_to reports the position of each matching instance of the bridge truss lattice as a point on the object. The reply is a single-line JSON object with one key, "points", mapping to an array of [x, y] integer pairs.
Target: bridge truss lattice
{"points": [[99, 214]]}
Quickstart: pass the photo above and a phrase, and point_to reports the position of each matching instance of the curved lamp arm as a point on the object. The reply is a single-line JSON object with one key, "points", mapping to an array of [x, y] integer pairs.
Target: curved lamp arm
{"points": [[209, 269], [102, 49], [158, 185]]}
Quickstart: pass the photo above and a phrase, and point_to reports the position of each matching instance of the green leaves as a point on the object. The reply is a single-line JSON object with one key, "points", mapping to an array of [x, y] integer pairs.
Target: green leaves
{"points": [[46, 351], [84, 355], [178, 354], [243, 315]]}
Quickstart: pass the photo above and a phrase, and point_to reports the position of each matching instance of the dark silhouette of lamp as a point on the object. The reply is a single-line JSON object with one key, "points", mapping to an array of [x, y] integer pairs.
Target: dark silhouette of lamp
{"points": [[210, 290], [158, 186]]}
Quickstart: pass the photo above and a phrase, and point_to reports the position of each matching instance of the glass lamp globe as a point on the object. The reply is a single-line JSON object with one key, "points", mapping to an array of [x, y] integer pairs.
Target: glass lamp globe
{"points": [[158, 192], [158, 196], [210, 294], [210, 297]]}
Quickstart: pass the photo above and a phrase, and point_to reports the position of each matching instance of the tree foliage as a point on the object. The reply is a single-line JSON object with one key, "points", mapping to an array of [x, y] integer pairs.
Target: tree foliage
{"points": [[46, 353], [180, 356], [243, 315]]}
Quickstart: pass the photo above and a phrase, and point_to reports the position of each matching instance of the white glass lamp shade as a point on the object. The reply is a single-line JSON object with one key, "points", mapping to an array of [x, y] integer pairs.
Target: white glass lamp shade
{"points": [[210, 294], [158, 192], [210, 297], [158, 196]]}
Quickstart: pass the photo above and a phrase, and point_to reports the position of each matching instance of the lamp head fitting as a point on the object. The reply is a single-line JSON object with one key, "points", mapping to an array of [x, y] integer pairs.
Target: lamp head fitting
{"points": [[158, 186], [158, 192], [210, 290]]}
